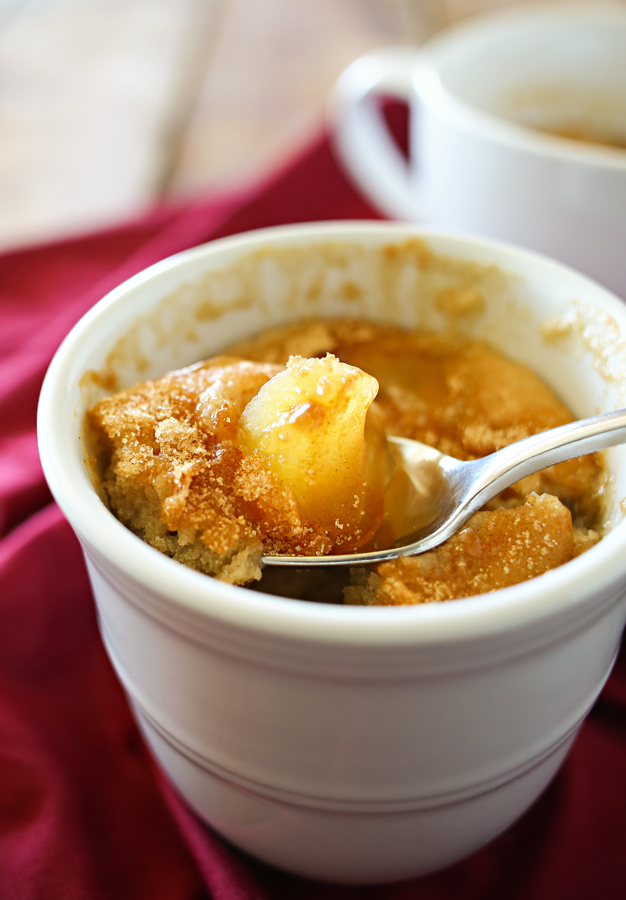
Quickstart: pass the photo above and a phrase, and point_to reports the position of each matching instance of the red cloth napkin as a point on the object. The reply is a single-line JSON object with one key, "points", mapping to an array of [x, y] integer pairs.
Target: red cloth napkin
{"points": [[84, 814]]}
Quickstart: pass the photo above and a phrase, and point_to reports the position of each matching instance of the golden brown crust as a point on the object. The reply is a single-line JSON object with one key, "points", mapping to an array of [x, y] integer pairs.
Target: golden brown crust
{"points": [[494, 550]]}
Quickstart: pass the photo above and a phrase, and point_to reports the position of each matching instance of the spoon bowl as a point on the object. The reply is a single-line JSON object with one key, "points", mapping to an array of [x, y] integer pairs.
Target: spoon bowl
{"points": [[446, 491]]}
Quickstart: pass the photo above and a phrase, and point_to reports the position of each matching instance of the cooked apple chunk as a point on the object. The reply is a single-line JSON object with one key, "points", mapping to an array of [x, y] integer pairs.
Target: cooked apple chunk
{"points": [[308, 424]]}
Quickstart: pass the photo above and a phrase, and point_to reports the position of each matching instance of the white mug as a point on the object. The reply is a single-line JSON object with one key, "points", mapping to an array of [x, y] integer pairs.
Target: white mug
{"points": [[485, 100]]}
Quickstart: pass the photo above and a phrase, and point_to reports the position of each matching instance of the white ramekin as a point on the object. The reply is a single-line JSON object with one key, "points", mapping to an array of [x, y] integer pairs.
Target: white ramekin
{"points": [[343, 743]]}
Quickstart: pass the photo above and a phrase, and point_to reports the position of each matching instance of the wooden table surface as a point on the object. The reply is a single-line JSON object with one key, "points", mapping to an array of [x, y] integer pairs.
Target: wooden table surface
{"points": [[106, 105]]}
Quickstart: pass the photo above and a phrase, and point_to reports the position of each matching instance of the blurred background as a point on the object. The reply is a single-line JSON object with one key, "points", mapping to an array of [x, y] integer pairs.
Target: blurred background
{"points": [[109, 105]]}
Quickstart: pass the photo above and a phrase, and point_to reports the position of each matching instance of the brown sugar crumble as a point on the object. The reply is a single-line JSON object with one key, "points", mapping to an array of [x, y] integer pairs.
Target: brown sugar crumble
{"points": [[207, 466]]}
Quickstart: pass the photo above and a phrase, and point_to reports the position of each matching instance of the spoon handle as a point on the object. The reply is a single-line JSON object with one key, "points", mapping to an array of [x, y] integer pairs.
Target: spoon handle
{"points": [[504, 467]]}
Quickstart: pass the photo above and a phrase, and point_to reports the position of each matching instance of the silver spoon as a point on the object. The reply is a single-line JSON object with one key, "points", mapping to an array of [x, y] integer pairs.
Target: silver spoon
{"points": [[448, 491]]}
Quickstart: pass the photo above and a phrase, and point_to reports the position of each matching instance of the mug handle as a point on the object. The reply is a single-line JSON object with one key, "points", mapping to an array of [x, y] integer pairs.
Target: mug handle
{"points": [[360, 134]]}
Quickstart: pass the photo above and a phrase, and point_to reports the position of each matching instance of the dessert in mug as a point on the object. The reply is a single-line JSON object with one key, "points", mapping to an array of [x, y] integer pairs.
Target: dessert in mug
{"points": [[278, 447]]}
